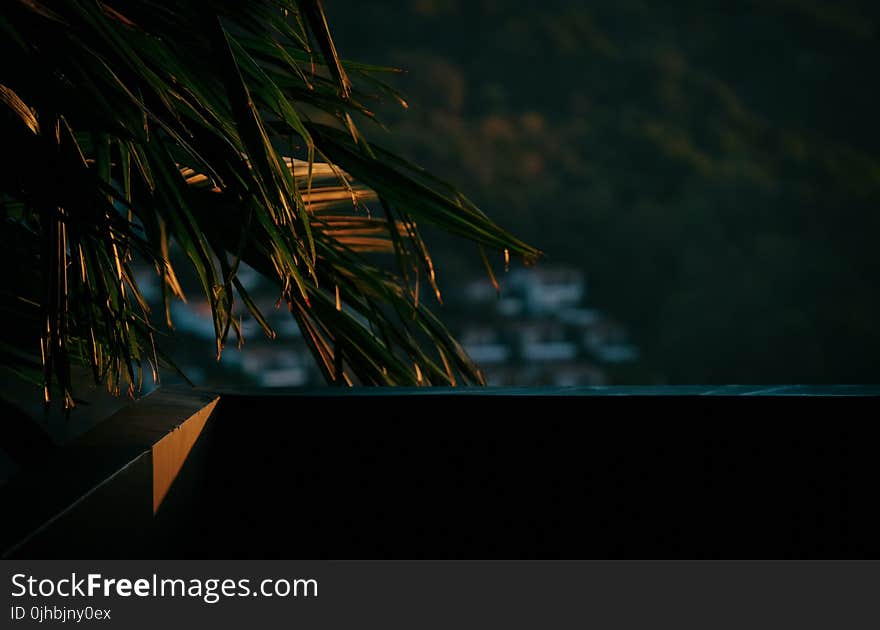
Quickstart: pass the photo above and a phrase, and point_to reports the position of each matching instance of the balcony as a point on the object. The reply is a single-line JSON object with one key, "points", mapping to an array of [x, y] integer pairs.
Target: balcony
{"points": [[513, 473]]}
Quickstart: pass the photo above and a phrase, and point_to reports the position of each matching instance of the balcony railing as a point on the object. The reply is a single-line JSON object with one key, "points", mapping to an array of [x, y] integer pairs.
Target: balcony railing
{"points": [[446, 473]]}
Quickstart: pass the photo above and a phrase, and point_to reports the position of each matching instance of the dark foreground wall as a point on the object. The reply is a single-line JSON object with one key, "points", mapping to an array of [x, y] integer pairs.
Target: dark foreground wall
{"points": [[382, 475]]}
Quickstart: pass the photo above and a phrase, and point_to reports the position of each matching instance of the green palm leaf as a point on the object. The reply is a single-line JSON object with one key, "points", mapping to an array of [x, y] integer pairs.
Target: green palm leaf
{"points": [[141, 125]]}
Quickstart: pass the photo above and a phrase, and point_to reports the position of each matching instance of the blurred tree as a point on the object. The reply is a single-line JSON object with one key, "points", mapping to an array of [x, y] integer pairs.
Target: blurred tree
{"points": [[715, 170]]}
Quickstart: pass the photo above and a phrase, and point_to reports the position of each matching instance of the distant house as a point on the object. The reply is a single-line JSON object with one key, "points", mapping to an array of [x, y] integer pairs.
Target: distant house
{"points": [[539, 331], [608, 342], [484, 345], [547, 291], [276, 367]]}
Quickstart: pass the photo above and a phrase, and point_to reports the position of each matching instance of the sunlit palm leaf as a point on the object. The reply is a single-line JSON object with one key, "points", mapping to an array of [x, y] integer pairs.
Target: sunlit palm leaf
{"points": [[140, 125]]}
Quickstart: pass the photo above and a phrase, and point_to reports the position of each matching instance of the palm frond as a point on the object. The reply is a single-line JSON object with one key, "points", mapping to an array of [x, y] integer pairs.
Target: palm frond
{"points": [[139, 125]]}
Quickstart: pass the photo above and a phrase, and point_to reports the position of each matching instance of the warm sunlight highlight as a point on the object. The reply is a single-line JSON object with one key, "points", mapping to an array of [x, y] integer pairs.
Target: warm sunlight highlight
{"points": [[171, 452]]}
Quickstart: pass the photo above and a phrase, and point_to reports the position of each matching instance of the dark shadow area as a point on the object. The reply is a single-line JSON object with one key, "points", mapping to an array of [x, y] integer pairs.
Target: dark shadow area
{"points": [[539, 478], [529, 476]]}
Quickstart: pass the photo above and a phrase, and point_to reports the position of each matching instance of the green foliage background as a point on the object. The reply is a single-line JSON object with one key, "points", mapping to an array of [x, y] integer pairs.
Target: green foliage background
{"points": [[714, 170]]}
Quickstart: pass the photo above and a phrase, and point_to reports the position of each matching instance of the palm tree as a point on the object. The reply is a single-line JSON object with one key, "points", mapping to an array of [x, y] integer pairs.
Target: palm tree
{"points": [[225, 130]]}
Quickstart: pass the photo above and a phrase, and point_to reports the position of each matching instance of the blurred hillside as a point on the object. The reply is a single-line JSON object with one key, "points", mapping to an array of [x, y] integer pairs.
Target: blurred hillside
{"points": [[714, 173]]}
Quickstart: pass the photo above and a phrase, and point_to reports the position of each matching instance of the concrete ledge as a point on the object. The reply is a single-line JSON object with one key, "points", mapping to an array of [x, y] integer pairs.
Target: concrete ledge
{"points": [[116, 475], [634, 472], [858, 391]]}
